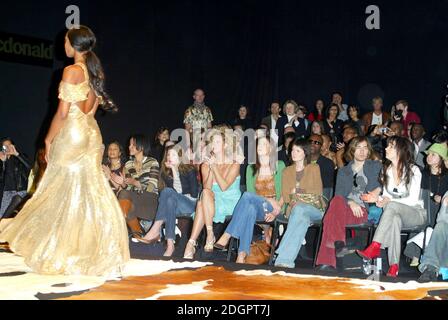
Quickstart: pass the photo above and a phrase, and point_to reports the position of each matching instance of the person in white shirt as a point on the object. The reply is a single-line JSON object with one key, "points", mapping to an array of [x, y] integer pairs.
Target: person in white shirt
{"points": [[401, 202], [377, 117]]}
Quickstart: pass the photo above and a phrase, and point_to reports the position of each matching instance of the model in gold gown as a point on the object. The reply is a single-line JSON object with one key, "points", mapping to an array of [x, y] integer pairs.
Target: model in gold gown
{"points": [[73, 223]]}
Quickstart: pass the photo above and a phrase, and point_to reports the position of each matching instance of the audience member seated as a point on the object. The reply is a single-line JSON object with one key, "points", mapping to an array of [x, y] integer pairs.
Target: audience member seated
{"points": [[333, 125], [348, 134], [300, 124], [261, 202], [434, 179], [401, 202], [139, 182], [441, 137], [396, 129], [158, 148], [417, 133], [243, 119], [436, 253], [35, 176], [14, 172], [270, 122], [302, 187], [377, 116], [290, 108], [179, 189], [317, 127], [358, 178], [354, 120], [326, 166], [318, 113], [336, 99], [283, 154], [221, 189], [404, 115], [114, 163], [325, 150]]}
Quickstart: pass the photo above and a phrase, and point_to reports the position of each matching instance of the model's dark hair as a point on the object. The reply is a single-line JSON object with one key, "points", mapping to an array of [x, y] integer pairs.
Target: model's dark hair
{"points": [[405, 160], [83, 39], [142, 144]]}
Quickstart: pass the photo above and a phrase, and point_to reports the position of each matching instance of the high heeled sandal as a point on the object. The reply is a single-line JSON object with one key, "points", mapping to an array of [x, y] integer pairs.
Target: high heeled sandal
{"points": [[190, 255], [143, 240], [209, 244]]}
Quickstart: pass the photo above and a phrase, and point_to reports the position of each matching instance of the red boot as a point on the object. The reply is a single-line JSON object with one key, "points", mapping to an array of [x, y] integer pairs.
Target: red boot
{"points": [[371, 252], [393, 271]]}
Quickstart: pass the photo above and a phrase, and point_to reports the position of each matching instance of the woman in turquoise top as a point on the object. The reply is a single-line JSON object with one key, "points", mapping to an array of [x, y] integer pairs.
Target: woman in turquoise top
{"points": [[225, 201], [220, 194], [262, 201]]}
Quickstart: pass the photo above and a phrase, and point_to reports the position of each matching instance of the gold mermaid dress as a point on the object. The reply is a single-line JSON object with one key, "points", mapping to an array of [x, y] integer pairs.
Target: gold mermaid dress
{"points": [[73, 223]]}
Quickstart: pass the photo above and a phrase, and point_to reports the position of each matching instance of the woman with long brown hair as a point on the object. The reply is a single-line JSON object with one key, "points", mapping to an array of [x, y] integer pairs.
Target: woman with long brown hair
{"points": [[262, 201], [401, 200], [179, 191]]}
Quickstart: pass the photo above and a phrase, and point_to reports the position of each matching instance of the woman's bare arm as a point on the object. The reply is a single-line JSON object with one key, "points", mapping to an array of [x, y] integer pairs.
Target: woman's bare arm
{"points": [[226, 181]]}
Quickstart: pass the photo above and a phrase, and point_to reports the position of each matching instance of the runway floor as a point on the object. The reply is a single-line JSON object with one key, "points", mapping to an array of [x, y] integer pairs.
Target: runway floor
{"points": [[155, 278]]}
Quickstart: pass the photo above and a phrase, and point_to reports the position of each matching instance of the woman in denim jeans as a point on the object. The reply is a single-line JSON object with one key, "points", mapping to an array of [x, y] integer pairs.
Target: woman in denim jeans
{"points": [[262, 201], [178, 196], [301, 177]]}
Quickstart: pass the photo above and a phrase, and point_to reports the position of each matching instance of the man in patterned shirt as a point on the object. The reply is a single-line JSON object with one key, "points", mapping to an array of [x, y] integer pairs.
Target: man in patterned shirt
{"points": [[198, 116]]}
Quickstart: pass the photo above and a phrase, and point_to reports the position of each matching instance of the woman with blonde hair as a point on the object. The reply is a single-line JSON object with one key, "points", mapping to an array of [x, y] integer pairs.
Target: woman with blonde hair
{"points": [[221, 188]]}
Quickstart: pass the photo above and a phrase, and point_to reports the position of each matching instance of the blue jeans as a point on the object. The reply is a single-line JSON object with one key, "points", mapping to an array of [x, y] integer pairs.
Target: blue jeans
{"points": [[248, 210], [171, 205], [300, 219]]}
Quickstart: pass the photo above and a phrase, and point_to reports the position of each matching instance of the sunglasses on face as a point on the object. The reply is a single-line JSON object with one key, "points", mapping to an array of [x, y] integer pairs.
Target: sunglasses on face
{"points": [[316, 142]]}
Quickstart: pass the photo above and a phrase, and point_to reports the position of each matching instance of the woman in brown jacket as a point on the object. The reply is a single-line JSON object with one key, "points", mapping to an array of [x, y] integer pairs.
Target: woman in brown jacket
{"points": [[302, 178]]}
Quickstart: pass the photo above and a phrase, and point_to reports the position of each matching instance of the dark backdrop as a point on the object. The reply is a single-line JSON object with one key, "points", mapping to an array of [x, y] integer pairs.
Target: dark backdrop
{"points": [[155, 53]]}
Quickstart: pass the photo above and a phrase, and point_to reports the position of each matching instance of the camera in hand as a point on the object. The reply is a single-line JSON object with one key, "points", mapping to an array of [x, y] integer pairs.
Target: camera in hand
{"points": [[399, 114]]}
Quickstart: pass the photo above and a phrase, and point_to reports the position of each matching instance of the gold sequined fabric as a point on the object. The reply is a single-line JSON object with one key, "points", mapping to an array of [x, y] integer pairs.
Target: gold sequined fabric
{"points": [[73, 224]]}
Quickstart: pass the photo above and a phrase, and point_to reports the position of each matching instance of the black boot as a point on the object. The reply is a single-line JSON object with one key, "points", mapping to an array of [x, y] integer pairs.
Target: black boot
{"points": [[430, 274], [341, 249]]}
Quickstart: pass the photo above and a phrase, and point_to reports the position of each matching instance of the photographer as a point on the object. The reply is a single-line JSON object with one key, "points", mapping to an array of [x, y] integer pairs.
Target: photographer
{"points": [[13, 175], [401, 113]]}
